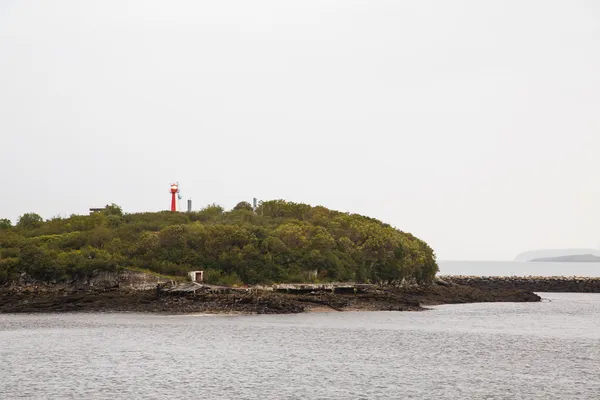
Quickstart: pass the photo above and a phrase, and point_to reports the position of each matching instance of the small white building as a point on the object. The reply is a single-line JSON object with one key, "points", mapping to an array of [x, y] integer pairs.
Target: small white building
{"points": [[196, 276]]}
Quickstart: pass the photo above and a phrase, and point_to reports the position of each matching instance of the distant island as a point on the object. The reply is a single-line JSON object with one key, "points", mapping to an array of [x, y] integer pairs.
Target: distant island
{"points": [[546, 254], [570, 258]]}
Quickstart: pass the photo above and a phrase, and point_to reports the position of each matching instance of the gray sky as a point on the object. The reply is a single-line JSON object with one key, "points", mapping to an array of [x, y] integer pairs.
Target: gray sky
{"points": [[474, 125]]}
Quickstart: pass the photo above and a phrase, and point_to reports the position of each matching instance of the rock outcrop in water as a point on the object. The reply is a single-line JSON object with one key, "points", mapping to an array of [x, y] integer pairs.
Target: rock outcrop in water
{"points": [[572, 258], [250, 300], [530, 283]]}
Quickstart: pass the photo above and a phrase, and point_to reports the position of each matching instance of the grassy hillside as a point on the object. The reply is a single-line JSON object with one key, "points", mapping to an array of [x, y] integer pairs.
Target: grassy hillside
{"points": [[279, 242]]}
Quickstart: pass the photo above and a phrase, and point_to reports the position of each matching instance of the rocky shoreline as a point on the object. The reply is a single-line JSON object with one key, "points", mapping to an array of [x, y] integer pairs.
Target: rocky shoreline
{"points": [[35, 299], [572, 284]]}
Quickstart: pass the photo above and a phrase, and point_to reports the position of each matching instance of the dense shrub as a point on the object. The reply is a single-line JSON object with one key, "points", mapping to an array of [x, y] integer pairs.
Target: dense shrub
{"points": [[280, 241]]}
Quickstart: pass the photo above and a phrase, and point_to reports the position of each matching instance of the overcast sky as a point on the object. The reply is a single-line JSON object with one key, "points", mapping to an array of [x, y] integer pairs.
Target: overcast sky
{"points": [[474, 125]]}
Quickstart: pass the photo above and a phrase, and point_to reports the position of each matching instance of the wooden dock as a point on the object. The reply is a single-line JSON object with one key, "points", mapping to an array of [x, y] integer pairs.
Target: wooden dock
{"points": [[193, 288], [325, 287]]}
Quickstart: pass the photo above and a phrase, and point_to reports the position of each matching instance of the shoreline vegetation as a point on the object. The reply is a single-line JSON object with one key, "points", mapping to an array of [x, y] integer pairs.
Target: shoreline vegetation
{"points": [[113, 261]]}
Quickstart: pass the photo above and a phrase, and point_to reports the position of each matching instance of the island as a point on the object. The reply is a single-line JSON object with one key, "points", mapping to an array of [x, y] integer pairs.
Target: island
{"points": [[278, 257], [553, 253]]}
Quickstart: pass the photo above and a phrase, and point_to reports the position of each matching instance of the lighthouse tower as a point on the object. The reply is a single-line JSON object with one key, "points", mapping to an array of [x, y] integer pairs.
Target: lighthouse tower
{"points": [[174, 193]]}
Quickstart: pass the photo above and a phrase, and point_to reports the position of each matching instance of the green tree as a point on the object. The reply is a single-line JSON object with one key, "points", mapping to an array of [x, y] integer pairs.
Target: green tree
{"points": [[40, 263], [147, 244], [30, 221], [172, 237], [292, 235], [209, 213], [5, 224], [113, 209], [243, 205], [113, 221], [321, 240]]}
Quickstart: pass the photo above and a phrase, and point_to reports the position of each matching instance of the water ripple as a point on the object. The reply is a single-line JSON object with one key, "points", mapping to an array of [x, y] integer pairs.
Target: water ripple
{"points": [[548, 350]]}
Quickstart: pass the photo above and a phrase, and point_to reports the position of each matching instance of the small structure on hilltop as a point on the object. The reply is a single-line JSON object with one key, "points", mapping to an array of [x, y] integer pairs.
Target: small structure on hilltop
{"points": [[175, 196], [196, 276]]}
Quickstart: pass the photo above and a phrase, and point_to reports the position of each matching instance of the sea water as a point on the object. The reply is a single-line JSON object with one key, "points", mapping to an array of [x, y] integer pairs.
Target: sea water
{"points": [[546, 350]]}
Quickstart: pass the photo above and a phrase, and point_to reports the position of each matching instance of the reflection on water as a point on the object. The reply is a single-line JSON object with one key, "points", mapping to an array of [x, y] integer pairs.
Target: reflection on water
{"points": [[547, 350]]}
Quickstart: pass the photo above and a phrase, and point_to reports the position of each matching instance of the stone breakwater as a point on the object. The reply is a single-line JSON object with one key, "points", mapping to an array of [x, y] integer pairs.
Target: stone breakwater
{"points": [[531, 283]]}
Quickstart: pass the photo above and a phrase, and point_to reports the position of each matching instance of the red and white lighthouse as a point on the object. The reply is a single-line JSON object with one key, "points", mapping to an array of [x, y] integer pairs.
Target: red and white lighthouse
{"points": [[174, 193]]}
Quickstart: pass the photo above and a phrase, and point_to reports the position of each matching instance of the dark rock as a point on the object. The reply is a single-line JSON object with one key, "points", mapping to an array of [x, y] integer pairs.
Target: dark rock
{"points": [[69, 298], [534, 284]]}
